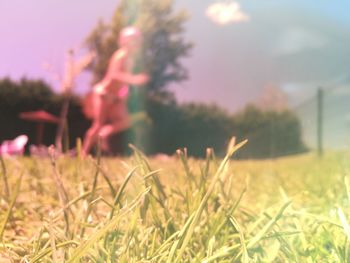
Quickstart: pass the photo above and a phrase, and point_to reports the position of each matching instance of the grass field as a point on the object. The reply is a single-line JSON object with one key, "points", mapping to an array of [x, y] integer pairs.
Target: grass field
{"points": [[179, 209]]}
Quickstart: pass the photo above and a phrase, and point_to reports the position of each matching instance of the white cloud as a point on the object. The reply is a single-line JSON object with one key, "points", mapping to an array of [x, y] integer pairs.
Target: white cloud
{"points": [[297, 39], [226, 12]]}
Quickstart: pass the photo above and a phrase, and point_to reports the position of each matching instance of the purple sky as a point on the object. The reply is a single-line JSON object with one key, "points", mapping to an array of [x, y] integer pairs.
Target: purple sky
{"points": [[293, 44], [40, 31]]}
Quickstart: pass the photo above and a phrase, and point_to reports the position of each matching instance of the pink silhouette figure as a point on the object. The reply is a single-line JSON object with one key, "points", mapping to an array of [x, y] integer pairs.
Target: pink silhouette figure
{"points": [[106, 105], [14, 147]]}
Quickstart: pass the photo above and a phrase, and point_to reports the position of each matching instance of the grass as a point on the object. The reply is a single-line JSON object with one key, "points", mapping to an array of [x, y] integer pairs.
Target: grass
{"points": [[136, 209]]}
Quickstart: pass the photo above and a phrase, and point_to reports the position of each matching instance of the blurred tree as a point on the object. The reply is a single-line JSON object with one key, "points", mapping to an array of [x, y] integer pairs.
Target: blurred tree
{"points": [[24, 95], [271, 133], [272, 99], [21, 96], [31, 95], [163, 41]]}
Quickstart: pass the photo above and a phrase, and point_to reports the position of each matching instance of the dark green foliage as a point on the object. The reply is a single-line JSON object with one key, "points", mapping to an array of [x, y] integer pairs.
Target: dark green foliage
{"points": [[198, 126], [195, 126], [17, 97], [32, 95], [270, 133]]}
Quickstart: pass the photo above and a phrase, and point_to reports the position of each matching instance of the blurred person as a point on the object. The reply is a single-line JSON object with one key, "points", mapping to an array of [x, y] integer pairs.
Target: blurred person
{"points": [[107, 103]]}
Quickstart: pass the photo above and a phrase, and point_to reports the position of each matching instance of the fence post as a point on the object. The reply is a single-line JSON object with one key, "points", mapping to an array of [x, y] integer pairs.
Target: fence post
{"points": [[320, 121]]}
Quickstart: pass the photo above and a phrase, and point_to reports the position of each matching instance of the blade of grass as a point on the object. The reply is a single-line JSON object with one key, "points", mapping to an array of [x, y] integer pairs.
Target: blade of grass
{"points": [[347, 186], [210, 247], [4, 177], [184, 160], [245, 256], [105, 176], [83, 248], [11, 205], [230, 212], [344, 222], [45, 252], [222, 252], [62, 193], [121, 190], [93, 190], [142, 160], [205, 199], [72, 202], [268, 226], [52, 240], [181, 236]]}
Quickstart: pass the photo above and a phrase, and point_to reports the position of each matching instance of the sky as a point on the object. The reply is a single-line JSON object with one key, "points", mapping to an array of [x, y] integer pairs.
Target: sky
{"points": [[295, 45]]}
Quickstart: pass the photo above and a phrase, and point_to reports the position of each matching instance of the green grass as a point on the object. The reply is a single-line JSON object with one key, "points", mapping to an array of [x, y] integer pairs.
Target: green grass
{"points": [[136, 209]]}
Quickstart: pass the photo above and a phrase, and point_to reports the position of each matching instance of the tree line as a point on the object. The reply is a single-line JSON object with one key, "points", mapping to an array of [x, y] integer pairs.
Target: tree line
{"points": [[166, 127]]}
